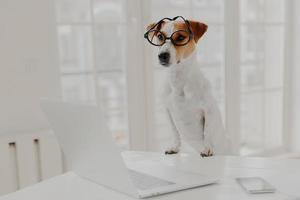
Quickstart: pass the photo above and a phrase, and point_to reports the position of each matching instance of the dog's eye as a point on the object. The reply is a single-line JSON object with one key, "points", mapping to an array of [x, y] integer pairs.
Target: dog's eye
{"points": [[180, 38], [160, 36]]}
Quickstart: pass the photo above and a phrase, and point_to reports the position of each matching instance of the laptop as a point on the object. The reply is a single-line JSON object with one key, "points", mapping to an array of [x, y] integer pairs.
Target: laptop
{"points": [[91, 153]]}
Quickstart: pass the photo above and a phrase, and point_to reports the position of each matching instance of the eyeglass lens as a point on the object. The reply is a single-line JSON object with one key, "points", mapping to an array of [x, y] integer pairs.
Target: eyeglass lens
{"points": [[178, 38]]}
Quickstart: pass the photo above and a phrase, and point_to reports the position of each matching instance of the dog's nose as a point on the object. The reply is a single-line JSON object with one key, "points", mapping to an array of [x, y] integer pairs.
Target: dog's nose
{"points": [[164, 57]]}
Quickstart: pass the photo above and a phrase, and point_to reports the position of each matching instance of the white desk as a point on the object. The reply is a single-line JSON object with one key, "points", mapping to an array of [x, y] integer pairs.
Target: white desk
{"points": [[282, 173]]}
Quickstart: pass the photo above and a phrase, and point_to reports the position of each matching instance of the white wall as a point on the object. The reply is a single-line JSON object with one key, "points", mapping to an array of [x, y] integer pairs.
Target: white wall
{"points": [[28, 63]]}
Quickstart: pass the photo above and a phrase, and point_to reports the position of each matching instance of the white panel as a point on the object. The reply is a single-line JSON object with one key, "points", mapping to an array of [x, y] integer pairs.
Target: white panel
{"points": [[232, 71], [50, 156], [8, 180], [29, 63], [295, 81], [27, 160], [136, 80]]}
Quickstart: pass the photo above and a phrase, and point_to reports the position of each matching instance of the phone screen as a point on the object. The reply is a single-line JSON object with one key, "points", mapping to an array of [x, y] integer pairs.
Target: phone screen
{"points": [[255, 185]]}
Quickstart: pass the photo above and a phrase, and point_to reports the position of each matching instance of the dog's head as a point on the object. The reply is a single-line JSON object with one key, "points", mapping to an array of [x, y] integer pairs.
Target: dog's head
{"points": [[176, 39]]}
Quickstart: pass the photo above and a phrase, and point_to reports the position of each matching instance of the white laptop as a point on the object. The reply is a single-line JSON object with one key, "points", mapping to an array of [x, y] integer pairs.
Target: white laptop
{"points": [[90, 152]]}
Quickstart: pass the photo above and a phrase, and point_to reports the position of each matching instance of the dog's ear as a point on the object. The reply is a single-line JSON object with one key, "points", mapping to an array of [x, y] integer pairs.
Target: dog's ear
{"points": [[157, 26], [150, 26], [198, 29]]}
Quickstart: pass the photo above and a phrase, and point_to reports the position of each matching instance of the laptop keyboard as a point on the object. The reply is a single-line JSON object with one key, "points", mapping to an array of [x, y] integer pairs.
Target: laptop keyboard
{"points": [[144, 181]]}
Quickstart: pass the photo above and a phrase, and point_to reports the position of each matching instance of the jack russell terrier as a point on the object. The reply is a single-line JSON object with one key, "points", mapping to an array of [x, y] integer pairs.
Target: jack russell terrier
{"points": [[192, 110]]}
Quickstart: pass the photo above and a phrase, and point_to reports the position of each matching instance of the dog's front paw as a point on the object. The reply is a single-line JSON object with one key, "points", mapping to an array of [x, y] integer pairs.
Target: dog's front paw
{"points": [[207, 152], [173, 150]]}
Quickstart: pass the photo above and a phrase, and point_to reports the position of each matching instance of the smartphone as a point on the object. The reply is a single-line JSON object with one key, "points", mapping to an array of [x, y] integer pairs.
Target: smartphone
{"points": [[255, 185]]}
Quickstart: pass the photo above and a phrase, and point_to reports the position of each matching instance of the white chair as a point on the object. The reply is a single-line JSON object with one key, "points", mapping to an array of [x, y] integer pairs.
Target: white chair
{"points": [[27, 158]]}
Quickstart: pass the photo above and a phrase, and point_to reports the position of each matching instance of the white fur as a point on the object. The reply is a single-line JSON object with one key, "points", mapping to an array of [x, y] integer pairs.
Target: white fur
{"points": [[192, 110]]}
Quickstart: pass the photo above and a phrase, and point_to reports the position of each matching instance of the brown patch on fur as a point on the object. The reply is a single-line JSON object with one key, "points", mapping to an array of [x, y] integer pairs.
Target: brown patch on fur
{"points": [[198, 29], [186, 50]]}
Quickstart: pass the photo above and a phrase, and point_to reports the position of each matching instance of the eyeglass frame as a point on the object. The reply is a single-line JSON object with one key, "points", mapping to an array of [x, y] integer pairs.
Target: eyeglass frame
{"points": [[170, 38]]}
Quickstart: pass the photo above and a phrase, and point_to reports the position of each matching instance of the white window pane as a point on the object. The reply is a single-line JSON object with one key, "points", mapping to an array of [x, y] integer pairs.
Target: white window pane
{"points": [[169, 8], [203, 10], [113, 97], [211, 46], [262, 48], [78, 88], [274, 47], [252, 77], [208, 10], [275, 10], [262, 53], [73, 11], [110, 46], [75, 48], [252, 10], [262, 10], [85, 31], [107, 11], [261, 120], [273, 119], [252, 121], [252, 43]]}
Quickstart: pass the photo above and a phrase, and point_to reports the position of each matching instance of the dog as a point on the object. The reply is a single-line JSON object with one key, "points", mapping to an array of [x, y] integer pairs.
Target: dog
{"points": [[191, 108]]}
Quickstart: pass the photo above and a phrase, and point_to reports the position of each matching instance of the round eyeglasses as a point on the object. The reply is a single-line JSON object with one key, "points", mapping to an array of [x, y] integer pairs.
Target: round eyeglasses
{"points": [[178, 38]]}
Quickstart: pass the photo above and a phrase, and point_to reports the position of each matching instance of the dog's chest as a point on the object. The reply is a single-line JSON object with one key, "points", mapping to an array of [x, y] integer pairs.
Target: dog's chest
{"points": [[177, 82], [186, 103], [186, 109], [187, 115], [185, 90]]}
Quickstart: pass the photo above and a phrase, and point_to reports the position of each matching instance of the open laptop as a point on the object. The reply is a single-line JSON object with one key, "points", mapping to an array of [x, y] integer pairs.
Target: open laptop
{"points": [[90, 152]]}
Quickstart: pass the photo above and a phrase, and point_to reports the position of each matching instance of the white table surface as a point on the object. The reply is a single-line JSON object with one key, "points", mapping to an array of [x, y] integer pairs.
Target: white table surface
{"points": [[284, 174]]}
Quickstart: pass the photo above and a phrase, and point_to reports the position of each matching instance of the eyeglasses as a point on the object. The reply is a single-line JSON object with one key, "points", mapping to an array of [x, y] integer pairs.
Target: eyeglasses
{"points": [[178, 38]]}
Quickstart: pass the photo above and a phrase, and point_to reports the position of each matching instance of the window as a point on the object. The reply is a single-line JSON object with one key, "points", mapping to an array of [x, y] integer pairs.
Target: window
{"points": [[262, 24], [102, 50], [91, 37]]}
